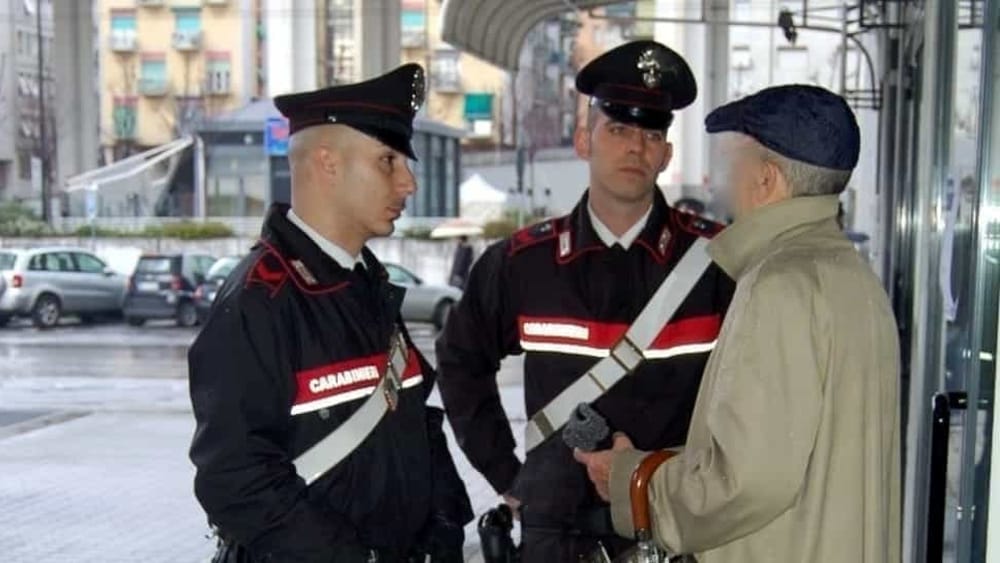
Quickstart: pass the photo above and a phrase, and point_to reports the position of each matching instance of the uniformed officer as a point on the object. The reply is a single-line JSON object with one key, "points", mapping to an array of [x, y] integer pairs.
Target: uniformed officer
{"points": [[308, 447], [564, 292]]}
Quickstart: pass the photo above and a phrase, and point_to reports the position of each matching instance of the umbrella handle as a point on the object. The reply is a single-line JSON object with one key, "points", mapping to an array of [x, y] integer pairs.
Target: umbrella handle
{"points": [[639, 493]]}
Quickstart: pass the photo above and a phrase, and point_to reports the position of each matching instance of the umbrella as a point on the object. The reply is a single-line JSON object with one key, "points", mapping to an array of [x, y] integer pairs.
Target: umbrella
{"points": [[456, 228]]}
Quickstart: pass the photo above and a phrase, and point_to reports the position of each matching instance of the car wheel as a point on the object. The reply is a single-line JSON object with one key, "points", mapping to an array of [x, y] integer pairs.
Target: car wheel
{"points": [[187, 314], [441, 313], [47, 311], [135, 321]]}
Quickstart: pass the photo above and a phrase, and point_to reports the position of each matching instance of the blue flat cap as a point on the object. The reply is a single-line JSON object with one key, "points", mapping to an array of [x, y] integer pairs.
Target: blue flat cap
{"points": [[804, 123]]}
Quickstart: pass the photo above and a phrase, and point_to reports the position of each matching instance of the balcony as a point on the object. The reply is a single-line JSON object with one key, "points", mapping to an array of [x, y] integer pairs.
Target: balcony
{"points": [[150, 3], [153, 87], [186, 40], [413, 38], [122, 41], [215, 2]]}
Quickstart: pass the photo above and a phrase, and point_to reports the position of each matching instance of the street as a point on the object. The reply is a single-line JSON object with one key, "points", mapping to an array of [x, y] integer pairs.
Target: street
{"points": [[95, 423]]}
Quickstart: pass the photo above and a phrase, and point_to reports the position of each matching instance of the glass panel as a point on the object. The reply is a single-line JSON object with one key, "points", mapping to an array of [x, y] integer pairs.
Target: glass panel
{"points": [[187, 19], [154, 265], [986, 311], [957, 290], [7, 260], [89, 264], [123, 21]]}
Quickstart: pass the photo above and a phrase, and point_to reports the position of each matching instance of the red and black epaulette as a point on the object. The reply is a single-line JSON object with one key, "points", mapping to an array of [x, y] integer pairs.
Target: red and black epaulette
{"points": [[532, 235], [269, 271], [696, 225]]}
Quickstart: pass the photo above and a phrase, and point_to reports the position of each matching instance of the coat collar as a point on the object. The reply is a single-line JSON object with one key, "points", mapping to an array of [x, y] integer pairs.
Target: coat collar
{"points": [[745, 243], [311, 265], [577, 235]]}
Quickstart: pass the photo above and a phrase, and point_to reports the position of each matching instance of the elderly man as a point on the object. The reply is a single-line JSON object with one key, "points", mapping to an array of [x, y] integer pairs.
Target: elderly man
{"points": [[314, 442], [793, 450]]}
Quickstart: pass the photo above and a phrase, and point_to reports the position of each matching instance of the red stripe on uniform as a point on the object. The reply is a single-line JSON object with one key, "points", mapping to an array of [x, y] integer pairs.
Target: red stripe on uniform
{"points": [[692, 330], [346, 376]]}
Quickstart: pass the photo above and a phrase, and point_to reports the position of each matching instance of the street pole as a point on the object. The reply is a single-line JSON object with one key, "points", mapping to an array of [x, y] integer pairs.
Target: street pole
{"points": [[42, 133]]}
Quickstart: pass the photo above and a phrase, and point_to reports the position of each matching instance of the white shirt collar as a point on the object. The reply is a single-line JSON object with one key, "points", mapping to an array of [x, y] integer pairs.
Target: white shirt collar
{"points": [[331, 249], [628, 237]]}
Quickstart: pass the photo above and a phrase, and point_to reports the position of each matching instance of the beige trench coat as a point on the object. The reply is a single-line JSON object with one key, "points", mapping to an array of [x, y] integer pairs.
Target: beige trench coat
{"points": [[793, 451]]}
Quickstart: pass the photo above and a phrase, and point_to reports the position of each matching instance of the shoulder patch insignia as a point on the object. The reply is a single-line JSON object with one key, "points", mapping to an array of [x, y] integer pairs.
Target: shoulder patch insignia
{"points": [[696, 225], [303, 272], [532, 235], [269, 272]]}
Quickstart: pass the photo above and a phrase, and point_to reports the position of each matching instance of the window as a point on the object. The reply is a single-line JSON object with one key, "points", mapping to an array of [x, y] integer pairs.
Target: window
{"points": [[153, 74], [414, 23], [398, 275], [123, 21], [793, 65], [219, 72], [154, 265], [445, 72], [52, 262], [187, 20], [24, 165], [124, 117], [89, 263]]}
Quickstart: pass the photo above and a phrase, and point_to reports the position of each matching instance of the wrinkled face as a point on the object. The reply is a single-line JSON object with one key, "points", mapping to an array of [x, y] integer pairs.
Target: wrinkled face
{"points": [[740, 171], [624, 159], [372, 182]]}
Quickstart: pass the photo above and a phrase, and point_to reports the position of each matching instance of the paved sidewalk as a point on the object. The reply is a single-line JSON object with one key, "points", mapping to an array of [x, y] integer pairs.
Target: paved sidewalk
{"points": [[103, 476]]}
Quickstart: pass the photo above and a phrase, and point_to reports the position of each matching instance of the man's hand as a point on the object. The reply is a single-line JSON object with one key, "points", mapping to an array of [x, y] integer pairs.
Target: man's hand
{"points": [[599, 463], [514, 504]]}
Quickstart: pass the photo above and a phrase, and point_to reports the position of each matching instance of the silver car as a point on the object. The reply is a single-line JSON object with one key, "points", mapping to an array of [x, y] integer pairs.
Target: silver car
{"points": [[46, 283], [423, 302]]}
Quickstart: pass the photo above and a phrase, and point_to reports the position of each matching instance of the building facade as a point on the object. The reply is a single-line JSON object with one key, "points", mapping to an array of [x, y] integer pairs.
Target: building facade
{"points": [[167, 65], [21, 93]]}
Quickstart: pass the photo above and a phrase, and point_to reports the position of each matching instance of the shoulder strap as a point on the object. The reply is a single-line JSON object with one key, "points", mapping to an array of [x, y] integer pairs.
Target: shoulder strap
{"points": [[627, 353], [343, 440]]}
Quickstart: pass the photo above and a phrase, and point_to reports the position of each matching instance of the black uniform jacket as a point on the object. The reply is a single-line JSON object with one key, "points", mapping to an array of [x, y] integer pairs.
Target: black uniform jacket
{"points": [[293, 346], [558, 294]]}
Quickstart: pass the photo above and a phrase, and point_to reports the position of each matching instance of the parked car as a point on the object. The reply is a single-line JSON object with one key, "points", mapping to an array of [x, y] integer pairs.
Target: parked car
{"points": [[204, 294], [163, 286], [49, 282], [423, 302]]}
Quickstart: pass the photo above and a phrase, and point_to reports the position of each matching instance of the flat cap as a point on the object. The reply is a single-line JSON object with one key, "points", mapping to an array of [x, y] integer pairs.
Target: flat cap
{"points": [[804, 123], [383, 107], [640, 83]]}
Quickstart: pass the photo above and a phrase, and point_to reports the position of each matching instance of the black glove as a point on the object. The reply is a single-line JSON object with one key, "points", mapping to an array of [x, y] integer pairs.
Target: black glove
{"points": [[442, 540], [494, 536]]}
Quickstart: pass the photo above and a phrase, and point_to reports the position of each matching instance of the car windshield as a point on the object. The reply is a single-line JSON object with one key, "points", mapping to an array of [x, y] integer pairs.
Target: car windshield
{"points": [[154, 266], [222, 268], [7, 260]]}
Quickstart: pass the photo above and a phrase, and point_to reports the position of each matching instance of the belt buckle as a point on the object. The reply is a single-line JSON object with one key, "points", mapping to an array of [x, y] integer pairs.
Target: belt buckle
{"points": [[627, 354], [393, 378]]}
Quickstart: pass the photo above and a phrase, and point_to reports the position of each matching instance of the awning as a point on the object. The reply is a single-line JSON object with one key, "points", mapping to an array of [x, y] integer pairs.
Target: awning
{"points": [[494, 30]]}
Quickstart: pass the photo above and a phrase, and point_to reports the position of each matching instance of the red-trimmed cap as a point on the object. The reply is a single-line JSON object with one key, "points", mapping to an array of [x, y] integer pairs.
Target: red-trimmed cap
{"points": [[383, 107], [641, 83]]}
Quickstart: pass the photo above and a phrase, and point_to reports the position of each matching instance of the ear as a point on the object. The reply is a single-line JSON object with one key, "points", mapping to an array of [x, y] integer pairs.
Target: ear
{"points": [[581, 142], [327, 160], [668, 155], [772, 186]]}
